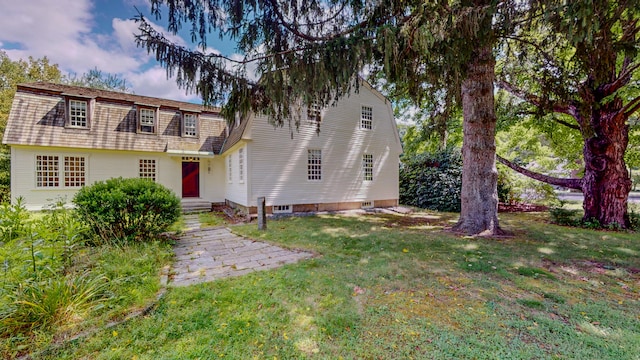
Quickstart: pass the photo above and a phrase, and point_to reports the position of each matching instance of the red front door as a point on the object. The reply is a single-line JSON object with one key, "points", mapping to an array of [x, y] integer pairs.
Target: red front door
{"points": [[190, 179]]}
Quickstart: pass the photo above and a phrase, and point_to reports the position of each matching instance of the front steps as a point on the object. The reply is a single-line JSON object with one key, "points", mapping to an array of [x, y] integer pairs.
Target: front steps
{"points": [[195, 205]]}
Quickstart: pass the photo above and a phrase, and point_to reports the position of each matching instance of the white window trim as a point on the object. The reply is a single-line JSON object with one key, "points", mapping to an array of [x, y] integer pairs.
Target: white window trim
{"points": [[139, 111], [363, 119], [230, 169], [315, 113], [196, 127], [310, 171], [241, 165], [282, 209], [156, 168], [88, 107], [61, 172], [366, 165], [366, 205]]}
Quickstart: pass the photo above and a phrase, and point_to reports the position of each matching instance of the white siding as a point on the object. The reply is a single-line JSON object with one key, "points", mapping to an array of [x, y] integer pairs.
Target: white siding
{"points": [[102, 165], [237, 190], [278, 163]]}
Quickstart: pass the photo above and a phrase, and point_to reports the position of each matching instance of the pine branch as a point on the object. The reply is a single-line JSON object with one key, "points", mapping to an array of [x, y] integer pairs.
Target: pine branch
{"points": [[568, 183]]}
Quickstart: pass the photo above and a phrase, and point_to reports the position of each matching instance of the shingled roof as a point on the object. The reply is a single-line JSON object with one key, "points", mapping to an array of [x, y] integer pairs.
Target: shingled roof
{"points": [[62, 89], [38, 116]]}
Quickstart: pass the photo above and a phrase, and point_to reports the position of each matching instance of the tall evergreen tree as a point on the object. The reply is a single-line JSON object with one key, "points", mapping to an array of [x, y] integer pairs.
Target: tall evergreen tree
{"points": [[580, 60], [312, 52]]}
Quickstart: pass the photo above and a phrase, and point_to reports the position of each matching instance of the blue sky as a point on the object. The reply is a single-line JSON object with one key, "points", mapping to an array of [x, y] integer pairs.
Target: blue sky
{"points": [[80, 35]]}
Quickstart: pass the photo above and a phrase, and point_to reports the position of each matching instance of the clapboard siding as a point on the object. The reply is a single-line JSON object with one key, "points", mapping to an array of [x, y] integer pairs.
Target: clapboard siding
{"points": [[278, 162], [102, 165]]}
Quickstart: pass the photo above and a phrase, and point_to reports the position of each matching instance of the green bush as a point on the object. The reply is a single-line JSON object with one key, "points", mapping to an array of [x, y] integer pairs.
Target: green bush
{"points": [[432, 181], [561, 216], [127, 209]]}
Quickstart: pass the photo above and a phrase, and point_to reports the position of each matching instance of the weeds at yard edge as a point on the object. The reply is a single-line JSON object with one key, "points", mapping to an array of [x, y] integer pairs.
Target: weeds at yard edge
{"points": [[53, 286]]}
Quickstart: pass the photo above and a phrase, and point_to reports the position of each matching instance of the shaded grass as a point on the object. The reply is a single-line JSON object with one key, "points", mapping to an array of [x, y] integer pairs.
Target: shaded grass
{"points": [[388, 287]]}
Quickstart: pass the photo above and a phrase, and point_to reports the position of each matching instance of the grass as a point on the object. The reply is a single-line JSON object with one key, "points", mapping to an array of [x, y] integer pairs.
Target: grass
{"points": [[52, 286], [393, 287]]}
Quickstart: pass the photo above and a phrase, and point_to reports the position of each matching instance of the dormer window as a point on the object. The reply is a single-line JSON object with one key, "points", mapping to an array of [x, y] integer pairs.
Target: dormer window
{"points": [[190, 125], [77, 113], [147, 120]]}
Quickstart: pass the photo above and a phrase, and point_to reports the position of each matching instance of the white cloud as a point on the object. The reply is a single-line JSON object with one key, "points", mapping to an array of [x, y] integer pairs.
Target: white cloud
{"points": [[154, 82], [64, 32]]}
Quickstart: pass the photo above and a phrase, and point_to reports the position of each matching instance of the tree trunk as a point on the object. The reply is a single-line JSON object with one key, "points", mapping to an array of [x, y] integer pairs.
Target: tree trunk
{"points": [[606, 183], [479, 197]]}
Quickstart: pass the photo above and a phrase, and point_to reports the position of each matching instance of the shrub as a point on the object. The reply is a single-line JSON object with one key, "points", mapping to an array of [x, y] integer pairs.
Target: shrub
{"points": [[561, 216], [127, 209], [432, 181]]}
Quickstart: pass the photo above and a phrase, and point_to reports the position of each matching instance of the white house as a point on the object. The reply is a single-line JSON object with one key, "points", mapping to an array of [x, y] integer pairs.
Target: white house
{"points": [[64, 137]]}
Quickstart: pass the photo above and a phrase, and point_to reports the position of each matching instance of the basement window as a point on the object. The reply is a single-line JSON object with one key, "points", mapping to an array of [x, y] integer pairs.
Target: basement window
{"points": [[367, 205], [282, 209]]}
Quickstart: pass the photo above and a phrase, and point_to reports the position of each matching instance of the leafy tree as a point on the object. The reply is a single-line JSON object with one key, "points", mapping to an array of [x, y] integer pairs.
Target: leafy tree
{"points": [[13, 73], [97, 79], [312, 52], [580, 62]]}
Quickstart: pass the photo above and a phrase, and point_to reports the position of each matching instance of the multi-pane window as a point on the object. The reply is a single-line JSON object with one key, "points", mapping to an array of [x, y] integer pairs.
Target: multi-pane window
{"points": [[241, 164], [147, 120], [366, 118], [314, 164], [190, 125], [314, 113], [74, 171], [47, 171], [367, 167], [78, 113], [229, 169], [147, 169]]}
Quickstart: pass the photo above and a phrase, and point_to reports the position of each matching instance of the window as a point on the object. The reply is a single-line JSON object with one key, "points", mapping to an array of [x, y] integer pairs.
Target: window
{"points": [[74, 170], [241, 164], [78, 114], [366, 118], [314, 113], [47, 171], [366, 205], [190, 125], [367, 167], [147, 169], [49, 168], [281, 209], [229, 169], [314, 164], [147, 120]]}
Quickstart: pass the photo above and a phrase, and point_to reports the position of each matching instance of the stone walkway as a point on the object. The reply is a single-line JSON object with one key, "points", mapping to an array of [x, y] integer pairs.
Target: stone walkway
{"points": [[208, 254]]}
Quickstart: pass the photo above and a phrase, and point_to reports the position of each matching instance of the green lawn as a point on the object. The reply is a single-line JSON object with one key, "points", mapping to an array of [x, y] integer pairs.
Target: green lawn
{"points": [[393, 287]]}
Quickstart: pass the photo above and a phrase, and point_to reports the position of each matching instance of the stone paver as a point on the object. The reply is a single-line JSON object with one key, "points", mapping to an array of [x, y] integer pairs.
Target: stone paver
{"points": [[208, 254]]}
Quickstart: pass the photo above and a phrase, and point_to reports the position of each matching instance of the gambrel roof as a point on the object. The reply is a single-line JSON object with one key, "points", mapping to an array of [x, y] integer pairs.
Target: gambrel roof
{"points": [[39, 118]]}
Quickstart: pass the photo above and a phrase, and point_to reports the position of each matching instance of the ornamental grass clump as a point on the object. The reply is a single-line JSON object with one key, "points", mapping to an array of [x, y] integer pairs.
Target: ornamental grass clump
{"points": [[121, 210]]}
